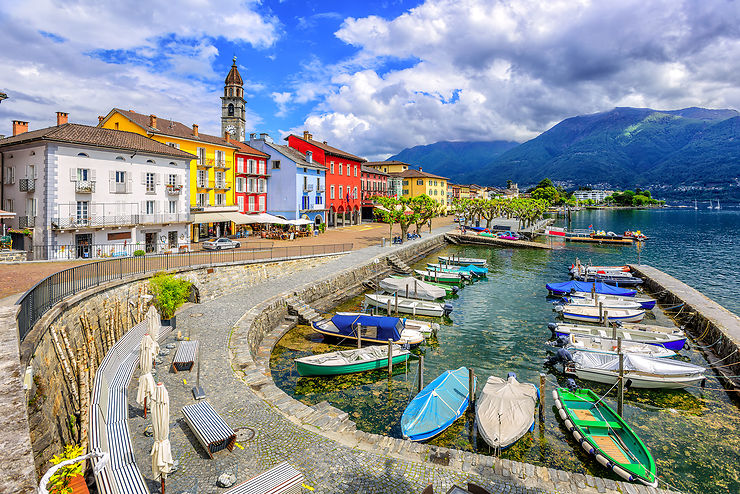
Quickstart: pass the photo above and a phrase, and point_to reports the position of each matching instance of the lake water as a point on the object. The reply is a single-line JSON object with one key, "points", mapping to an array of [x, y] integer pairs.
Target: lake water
{"points": [[499, 324]]}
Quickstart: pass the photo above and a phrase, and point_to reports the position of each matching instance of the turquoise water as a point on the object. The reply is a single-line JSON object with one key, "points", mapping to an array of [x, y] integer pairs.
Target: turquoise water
{"points": [[499, 325]]}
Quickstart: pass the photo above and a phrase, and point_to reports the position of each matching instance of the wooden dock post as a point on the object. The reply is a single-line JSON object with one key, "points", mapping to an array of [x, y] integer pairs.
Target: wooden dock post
{"points": [[542, 397], [359, 335], [416, 288], [396, 303], [620, 382], [388, 306], [407, 290], [614, 331], [421, 373], [601, 311], [390, 357], [471, 387], [606, 318]]}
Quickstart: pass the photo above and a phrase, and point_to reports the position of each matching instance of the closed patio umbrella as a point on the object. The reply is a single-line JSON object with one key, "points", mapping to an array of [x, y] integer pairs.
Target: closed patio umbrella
{"points": [[147, 351], [153, 323], [161, 450]]}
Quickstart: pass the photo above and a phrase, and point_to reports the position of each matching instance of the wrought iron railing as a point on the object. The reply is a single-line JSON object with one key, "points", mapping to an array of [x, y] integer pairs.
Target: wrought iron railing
{"points": [[27, 184], [85, 186]]}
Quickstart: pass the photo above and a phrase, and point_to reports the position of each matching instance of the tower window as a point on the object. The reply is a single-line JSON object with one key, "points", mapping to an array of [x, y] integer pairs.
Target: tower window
{"points": [[231, 109], [231, 91]]}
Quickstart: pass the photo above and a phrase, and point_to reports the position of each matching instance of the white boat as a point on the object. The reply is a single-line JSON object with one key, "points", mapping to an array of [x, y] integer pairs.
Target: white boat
{"points": [[645, 302], [593, 314], [673, 341], [642, 371], [413, 287], [408, 305], [597, 344], [695, 206], [461, 260], [441, 277], [425, 328], [606, 303], [505, 410], [717, 206]]}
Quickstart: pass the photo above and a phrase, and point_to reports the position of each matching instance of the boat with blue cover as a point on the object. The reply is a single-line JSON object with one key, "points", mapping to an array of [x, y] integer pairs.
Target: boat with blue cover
{"points": [[437, 406], [371, 329], [470, 268], [461, 260], [566, 287]]}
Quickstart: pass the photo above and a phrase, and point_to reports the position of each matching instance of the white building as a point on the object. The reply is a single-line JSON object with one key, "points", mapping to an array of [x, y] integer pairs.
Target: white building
{"points": [[594, 195], [92, 192]]}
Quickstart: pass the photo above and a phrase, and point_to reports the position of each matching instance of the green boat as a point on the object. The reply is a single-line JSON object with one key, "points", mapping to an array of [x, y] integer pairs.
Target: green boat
{"points": [[449, 289], [605, 435], [349, 361], [439, 277]]}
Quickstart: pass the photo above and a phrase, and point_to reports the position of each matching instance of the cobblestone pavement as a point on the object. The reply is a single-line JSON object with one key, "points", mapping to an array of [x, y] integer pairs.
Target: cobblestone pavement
{"points": [[264, 436]]}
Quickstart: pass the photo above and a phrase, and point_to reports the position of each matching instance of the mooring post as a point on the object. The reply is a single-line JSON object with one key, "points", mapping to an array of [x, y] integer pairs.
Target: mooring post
{"points": [[606, 318], [471, 386], [415, 288], [620, 385], [390, 357], [542, 397], [396, 303], [359, 335], [614, 331], [421, 373], [601, 311], [388, 306], [407, 290]]}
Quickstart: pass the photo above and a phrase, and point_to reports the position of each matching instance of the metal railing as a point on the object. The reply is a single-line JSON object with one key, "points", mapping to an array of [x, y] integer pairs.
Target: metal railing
{"points": [[93, 220], [66, 283], [27, 184], [173, 190], [85, 186], [26, 221]]}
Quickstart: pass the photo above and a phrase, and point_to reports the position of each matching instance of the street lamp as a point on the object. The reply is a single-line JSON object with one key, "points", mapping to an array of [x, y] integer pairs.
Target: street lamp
{"points": [[103, 456]]}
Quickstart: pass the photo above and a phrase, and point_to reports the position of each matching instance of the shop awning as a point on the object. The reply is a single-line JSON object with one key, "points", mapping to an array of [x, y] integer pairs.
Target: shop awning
{"points": [[6, 214], [238, 218], [299, 222], [262, 218]]}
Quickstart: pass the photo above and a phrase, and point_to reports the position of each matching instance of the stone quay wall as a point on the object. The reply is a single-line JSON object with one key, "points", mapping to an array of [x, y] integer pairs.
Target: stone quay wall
{"points": [[715, 327], [67, 344]]}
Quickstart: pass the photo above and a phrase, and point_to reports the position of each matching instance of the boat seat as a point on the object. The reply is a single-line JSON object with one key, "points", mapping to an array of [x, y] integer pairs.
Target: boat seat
{"points": [[611, 448], [583, 414]]}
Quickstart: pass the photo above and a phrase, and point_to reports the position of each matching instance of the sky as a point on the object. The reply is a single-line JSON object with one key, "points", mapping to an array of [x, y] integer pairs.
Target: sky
{"points": [[371, 78]]}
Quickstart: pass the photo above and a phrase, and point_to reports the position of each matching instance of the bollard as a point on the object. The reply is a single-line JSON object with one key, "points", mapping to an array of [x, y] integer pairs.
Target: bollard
{"points": [[388, 306], [606, 318], [407, 290], [359, 335], [415, 288], [542, 397], [390, 357], [620, 385], [601, 311], [471, 387], [396, 303], [614, 331], [421, 373]]}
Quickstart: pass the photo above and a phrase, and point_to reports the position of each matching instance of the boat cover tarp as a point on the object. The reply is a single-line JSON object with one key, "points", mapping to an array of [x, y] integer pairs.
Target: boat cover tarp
{"points": [[346, 357], [387, 326], [505, 410], [417, 288], [635, 362], [583, 286], [439, 404]]}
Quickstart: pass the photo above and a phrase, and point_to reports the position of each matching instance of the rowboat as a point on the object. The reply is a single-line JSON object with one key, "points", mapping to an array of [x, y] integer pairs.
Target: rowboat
{"points": [[349, 361], [440, 277], [371, 329], [437, 406], [589, 313], [654, 328], [645, 302], [461, 260], [567, 287], [606, 303], [408, 305], [672, 341], [641, 370], [505, 410], [447, 288], [426, 328], [413, 288], [470, 268], [605, 435], [597, 344]]}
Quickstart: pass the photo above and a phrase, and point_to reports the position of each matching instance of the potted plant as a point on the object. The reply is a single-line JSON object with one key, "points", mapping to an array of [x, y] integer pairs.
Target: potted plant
{"points": [[69, 479], [169, 294]]}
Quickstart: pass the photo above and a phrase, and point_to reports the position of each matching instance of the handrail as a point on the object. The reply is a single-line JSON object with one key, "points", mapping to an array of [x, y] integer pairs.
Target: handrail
{"points": [[56, 287]]}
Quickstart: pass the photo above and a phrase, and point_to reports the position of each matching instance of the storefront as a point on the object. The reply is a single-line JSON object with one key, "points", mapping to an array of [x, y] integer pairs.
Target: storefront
{"points": [[209, 225]]}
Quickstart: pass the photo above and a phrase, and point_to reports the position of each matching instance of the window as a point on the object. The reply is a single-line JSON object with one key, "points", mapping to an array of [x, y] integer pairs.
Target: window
{"points": [[405, 182], [354, 193], [120, 158], [120, 177], [262, 203], [172, 208], [9, 175], [172, 179], [220, 180], [8, 206], [275, 164], [149, 207], [240, 202], [331, 167], [82, 210], [240, 184], [319, 199], [220, 199], [83, 174], [201, 152], [362, 184], [173, 145], [355, 170], [151, 162], [150, 183], [219, 158], [318, 184], [262, 185], [200, 178], [251, 203], [31, 207], [340, 168], [405, 192], [331, 192], [250, 166], [305, 184], [341, 192], [83, 155], [231, 105], [306, 202], [420, 182], [250, 185], [201, 200], [348, 170], [240, 165]]}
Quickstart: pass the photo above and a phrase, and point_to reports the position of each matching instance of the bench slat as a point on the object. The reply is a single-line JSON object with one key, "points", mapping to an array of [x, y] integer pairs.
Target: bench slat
{"points": [[283, 478], [212, 431]]}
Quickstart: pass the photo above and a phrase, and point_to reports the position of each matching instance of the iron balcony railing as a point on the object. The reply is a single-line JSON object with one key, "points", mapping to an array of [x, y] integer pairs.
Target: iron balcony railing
{"points": [[27, 184], [26, 221], [86, 186], [66, 283], [102, 221], [173, 190], [307, 187]]}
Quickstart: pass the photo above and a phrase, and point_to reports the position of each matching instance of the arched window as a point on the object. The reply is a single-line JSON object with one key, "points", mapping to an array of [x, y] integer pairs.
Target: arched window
{"points": [[231, 91], [151, 161], [83, 155], [231, 109], [120, 158]]}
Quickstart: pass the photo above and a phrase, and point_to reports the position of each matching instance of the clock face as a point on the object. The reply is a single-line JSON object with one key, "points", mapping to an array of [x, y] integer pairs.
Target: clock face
{"points": [[230, 129]]}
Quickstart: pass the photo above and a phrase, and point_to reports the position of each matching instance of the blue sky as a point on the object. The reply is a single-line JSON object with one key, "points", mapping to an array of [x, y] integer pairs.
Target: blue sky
{"points": [[369, 77]]}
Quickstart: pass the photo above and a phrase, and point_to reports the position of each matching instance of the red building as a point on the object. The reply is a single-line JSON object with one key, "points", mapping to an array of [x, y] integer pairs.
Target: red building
{"points": [[250, 182], [374, 183], [343, 178]]}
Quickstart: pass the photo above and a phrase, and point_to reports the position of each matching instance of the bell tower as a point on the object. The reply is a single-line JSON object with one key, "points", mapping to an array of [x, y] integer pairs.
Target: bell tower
{"points": [[233, 105]]}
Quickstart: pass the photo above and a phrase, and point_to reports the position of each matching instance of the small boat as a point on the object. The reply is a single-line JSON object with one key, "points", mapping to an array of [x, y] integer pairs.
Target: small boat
{"points": [[470, 268], [589, 313], [440, 277], [461, 260], [447, 288], [426, 328], [654, 328], [597, 344], [508, 235], [611, 303], [437, 406], [643, 371], [349, 361], [617, 279], [413, 288], [577, 267], [566, 287], [505, 410], [371, 329], [408, 305], [672, 341], [605, 435], [645, 302]]}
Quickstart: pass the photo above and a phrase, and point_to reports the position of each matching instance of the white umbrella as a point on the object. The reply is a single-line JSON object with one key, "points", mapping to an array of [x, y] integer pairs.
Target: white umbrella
{"points": [[147, 351], [153, 322], [161, 450]]}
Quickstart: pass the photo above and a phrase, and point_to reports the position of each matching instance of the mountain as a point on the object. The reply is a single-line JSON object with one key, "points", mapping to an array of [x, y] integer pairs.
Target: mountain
{"points": [[446, 158], [624, 147]]}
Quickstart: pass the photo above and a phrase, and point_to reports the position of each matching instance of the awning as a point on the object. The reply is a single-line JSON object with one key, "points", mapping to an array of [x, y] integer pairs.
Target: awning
{"points": [[262, 218], [6, 214], [299, 222], [238, 218]]}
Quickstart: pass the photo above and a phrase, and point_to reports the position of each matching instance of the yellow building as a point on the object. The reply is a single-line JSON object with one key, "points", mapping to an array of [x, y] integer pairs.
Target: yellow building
{"points": [[417, 182], [388, 166], [211, 185]]}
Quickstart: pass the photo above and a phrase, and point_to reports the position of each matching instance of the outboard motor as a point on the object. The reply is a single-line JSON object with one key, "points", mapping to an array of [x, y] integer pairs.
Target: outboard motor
{"points": [[562, 357], [447, 309], [455, 289], [561, 341], [571, 384], [553, 326], [510, 375]]}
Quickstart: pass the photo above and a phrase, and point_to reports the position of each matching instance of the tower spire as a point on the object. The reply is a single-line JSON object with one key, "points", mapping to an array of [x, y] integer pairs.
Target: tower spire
{"points": [[233, 104]]}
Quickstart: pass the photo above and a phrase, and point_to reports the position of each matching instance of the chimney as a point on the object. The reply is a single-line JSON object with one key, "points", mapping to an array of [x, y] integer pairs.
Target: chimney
{"points": [[252, 136], [153, 121], [19, 127], [62, 118], [100, 119], [324, 142], [227, 138], [420, 169], [195, 130], [306, 135], [265, 137]]}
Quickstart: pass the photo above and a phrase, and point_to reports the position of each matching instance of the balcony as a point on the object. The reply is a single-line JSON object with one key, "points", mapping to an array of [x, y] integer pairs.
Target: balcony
{"points": [[320, 189], [26, 221], [93, 221], [85, 186], [27, 184], [307, 187], [221, 185], [221, 165], [164, 218], [204, 163], [121, 187], [203, 185], [173, 190]]}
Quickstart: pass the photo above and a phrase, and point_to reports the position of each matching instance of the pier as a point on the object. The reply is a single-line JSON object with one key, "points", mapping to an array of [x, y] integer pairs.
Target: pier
{"points": [[459, 238], [715, 328]]}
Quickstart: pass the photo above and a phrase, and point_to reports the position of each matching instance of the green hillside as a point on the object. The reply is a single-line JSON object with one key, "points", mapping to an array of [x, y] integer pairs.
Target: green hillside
{"points": [[446, 158]]}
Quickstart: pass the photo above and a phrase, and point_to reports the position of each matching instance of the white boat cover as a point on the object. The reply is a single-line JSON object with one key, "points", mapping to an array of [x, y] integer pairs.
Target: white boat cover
{"points": [[421, 289], [511, 402], [346, 357], [636, 362]]}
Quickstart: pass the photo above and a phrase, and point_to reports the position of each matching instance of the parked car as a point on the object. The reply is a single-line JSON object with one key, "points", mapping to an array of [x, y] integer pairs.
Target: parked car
{"points": [[221, 243]]}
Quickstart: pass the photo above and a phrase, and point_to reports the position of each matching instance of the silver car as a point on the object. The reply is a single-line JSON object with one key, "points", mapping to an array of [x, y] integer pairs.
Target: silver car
{"points": [[221, 243]]}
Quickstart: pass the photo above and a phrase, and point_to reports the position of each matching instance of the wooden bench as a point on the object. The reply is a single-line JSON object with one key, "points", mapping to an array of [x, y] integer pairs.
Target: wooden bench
{"points": [[185, 356], [281, 479], [208, 426]]}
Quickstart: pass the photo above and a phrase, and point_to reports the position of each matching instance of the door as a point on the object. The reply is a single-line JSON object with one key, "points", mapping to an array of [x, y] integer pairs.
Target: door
{"points": [[172, 240], [150, 242], [83, 244]]}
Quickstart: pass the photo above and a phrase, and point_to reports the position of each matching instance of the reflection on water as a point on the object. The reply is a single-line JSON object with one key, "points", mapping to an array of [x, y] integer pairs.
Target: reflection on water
{"points": [[499, 324]]}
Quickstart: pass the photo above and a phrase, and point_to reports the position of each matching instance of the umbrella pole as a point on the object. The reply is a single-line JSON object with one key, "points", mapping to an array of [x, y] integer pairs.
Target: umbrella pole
{"points": [[162, 478], [145, 407]]}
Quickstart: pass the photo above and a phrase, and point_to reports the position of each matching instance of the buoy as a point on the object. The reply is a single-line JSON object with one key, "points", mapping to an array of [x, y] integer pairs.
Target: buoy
{"points": [[577, 435], [569, 425], [619, 471], [563, 415], [587, 447], [555, 395], [557, 404]]}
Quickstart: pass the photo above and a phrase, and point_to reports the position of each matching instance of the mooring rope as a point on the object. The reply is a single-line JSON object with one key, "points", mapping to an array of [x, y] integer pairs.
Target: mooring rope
{"points": [[710, 346], [675, 307]]}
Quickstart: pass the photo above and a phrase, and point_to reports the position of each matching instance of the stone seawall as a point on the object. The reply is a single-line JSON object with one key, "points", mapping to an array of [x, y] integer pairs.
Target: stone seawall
{"points": [[67, 344], [715, 327]]}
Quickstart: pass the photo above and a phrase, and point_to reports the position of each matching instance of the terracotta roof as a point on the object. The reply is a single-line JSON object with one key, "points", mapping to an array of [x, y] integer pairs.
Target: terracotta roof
{"points": [[393, 162], [295, 155], [170, 128], [243, 148], [331, 150], [99, 137], [234, 78], [369, 169], [411, 173]]}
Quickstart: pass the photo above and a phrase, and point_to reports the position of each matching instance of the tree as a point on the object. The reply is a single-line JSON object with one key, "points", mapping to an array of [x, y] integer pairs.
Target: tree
{"points": [[394, 211], [548, 193], [424, 209], [545, 182]]}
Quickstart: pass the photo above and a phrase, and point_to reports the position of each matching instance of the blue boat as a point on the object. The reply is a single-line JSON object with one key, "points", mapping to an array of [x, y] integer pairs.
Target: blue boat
{"points": [[437, 406], [374, 329], [566, 287]]}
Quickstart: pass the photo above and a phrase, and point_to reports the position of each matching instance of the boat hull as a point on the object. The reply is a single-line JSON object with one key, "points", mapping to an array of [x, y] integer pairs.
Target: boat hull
{"points": [[574, 316], [307, 369], [462, 260], [406, 306], [673, 342], [638, 380]]}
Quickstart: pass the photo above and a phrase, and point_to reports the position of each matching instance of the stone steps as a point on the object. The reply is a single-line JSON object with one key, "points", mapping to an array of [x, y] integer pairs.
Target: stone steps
{"points": [[452, 239], [398, 265], [305, 313]]}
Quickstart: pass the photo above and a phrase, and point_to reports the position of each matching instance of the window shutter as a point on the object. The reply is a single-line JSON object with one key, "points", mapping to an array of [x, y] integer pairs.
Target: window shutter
{"points": [[111, 181], [157, 178], [92, 175], [143, 178], [73, 174], [157, 206], [127, 176]]}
